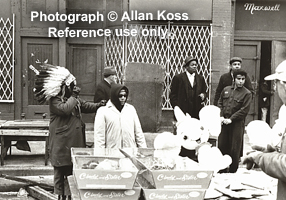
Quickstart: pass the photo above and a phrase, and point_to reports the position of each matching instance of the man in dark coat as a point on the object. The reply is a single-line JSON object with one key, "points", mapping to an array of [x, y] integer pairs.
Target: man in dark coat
{"points": [[264, 99], [66, 131], [227, 79], [188, 89], [234, 103], [102, 90]]}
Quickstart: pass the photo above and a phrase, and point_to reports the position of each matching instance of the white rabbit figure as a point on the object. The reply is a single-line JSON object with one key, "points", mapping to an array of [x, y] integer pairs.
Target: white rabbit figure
{"points": [[191, 132], [195, 139], [191, 138]]}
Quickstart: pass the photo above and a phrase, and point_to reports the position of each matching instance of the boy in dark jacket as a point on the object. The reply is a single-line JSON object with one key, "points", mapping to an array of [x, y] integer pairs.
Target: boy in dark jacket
{"points": [[234, 103]]}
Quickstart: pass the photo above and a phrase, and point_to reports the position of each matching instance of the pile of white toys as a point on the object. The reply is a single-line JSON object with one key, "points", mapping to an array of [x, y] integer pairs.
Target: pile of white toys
{"points": [[191, 138]]}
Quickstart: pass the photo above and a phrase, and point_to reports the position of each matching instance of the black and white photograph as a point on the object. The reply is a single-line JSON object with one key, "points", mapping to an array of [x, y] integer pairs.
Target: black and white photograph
{"points": [[142, 99]]}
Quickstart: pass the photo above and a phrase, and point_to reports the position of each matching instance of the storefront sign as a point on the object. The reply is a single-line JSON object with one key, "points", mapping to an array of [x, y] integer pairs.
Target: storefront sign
{"points": [[253, 15], [252, 7]]}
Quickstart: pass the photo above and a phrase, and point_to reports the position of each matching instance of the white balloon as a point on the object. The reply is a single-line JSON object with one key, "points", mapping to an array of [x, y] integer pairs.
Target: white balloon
{"points": [[166, 140], [210, 118], [259, 133], [211, 158]]}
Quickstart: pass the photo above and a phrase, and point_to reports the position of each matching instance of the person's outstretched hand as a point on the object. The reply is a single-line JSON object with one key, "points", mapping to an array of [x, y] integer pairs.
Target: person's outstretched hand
{"points": [[268, 149], [249, 159]]}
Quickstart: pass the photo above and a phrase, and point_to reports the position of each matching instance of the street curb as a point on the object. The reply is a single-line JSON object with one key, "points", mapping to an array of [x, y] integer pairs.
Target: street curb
{"points": [[27, 170]]}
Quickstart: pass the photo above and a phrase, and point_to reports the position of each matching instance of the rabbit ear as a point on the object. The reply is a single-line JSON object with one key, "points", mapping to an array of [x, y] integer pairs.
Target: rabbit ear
{"points": [[180, 116]]}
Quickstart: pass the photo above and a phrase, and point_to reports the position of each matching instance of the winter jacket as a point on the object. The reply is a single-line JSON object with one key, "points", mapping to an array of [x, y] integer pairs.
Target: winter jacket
{"points": [[234, 103], [66, 128], [264, 98], [102, 91], [227, 80], [118, 129]]}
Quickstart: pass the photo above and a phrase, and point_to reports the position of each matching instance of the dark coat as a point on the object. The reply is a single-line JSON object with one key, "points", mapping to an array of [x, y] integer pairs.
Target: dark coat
{"points": [[264, 96], [227, 80], [66, 128], [102, 91], [180, 96]]}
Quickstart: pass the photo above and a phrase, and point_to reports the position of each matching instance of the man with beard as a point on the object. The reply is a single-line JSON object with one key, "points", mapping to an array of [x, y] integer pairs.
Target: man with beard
{"points": [[117, 125]]}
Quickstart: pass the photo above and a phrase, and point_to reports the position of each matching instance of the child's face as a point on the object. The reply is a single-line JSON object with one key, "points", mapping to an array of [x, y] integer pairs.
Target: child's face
{"points": [[122, 97], [239, 80]]}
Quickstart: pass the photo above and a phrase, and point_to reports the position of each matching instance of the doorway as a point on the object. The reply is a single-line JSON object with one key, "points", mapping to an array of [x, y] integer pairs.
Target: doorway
{"points": [[85, 63], [264, 92], [35, 50], [249, 51]]}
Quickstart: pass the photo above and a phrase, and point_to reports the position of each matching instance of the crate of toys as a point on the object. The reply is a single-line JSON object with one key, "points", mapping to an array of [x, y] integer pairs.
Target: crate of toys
{"points": [[162, 175], [103, 169]]}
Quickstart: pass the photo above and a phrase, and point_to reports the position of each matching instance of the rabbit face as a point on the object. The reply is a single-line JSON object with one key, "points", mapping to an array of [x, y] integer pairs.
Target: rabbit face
{"points": [[192, 133]]}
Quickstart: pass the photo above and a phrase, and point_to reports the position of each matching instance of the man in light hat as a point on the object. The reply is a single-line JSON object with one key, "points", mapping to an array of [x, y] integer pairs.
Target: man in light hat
{"points": [[272, 160], [102, 90], [227, 79], [188, 89]]}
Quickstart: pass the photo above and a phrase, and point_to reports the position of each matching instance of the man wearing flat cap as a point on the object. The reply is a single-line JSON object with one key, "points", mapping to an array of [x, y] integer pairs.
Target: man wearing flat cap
{"points": [[272, 160], [188, 89], [102, 90], [227, 79]]}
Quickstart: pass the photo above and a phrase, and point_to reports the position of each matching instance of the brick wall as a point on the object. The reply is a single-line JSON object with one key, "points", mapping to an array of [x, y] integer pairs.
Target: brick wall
{"points": [[222, 40]]}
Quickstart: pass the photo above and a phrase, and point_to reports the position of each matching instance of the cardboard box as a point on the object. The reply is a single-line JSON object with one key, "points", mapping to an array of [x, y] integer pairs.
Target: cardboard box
{"points": [[89, 175], [182, 179], [174, 194], [88, 194], [167, 178]]}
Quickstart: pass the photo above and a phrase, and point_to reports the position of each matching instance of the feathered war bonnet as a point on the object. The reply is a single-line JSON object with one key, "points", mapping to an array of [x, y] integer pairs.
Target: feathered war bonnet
{"points": [[49, 81]]}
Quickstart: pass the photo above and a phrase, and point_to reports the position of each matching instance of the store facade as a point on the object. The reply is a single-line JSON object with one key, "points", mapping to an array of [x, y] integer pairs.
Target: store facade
{"points": [[206, 34], [260, 39]]}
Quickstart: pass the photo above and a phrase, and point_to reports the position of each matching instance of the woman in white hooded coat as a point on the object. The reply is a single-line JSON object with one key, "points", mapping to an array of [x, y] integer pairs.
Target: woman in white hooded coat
{"points": [[117, 124]]}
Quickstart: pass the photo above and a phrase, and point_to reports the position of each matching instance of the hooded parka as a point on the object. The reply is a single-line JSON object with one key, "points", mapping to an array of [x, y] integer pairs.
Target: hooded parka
{"points": [[118, 126]]}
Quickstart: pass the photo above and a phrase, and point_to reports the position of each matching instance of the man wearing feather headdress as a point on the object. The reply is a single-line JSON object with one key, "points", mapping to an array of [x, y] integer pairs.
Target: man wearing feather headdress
{"points": [[58, 86]]}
